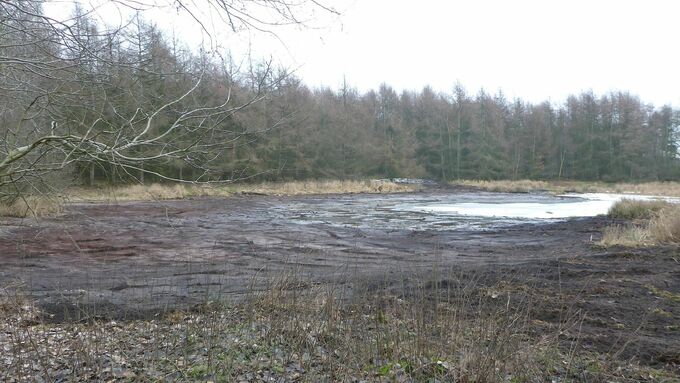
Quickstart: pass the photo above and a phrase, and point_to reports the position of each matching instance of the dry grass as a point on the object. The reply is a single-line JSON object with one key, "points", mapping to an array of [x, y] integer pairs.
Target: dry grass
{"points": [[180, 191], [628, 236], [637, 209], [145, 192], [669, 189], [32, 206], [662, 225], [507, 186], [665, 227], [39, 206], [327, 187]]}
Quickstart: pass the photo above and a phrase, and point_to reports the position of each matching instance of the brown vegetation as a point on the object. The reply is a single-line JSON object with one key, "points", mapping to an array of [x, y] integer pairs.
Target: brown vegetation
{"points": [[668, 189], [629, 236], [32, 206], [661, 224], [326, 187], [637, 209], [665, 227], [139, 192], [509, 186], [40, 206]]}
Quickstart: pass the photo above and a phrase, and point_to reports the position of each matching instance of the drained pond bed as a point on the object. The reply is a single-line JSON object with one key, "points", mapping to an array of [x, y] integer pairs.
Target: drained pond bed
{"points": [[404, 268]]}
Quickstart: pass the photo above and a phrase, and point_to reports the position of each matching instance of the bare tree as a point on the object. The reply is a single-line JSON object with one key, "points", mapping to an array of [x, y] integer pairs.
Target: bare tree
{"points": [[78, 93]]}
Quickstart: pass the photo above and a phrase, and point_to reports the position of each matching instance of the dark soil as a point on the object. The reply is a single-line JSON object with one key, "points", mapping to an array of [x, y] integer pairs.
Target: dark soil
{"points": [[138, 259]]}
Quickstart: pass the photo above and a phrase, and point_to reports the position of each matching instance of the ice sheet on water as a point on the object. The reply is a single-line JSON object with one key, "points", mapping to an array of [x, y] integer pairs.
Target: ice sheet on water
{"points": [[442, 211], [563, 206]]}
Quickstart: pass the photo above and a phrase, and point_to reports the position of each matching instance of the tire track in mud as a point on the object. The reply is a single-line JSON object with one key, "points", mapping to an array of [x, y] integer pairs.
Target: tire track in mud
{"points": [[175, 253]]}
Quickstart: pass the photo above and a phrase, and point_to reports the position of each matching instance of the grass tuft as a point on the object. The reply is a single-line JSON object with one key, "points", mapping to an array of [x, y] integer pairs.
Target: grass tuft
{"points": [[662, 226], [628, 236], [636, 209], [666, 226]]}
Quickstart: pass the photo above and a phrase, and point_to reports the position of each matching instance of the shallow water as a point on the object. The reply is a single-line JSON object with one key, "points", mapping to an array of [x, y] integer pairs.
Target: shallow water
{"points": [[444, 211], [549, 207]]}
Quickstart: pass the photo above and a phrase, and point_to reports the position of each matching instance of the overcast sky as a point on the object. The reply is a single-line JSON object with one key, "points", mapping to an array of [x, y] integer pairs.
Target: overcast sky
{"points": [[532, 49]]}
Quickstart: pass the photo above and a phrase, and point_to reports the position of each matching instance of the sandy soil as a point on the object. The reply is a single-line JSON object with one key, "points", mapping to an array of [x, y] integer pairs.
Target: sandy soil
{"points": [[138, 258]]}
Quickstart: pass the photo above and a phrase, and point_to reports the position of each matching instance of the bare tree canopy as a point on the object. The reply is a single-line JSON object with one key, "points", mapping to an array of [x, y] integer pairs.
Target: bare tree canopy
{"points": [[76, 93]]}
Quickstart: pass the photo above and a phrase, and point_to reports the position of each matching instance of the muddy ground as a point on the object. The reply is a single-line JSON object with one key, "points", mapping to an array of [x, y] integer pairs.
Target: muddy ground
{"points": [[137, 259]]}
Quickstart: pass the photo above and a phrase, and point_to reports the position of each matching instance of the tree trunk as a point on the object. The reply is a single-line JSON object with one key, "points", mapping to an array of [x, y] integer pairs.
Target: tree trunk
{"points": [[442, 157], [559, 175], [92, 174], [458, 153]]}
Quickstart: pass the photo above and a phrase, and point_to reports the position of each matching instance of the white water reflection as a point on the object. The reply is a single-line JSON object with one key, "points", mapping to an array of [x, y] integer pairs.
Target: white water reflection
{"points": [[478, 211], [563, 206]]}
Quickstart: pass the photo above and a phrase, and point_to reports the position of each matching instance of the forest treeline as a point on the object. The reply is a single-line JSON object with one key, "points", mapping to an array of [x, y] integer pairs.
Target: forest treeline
{"points": [[296, 132], [282, 129], [382, 133], [301, 133]]}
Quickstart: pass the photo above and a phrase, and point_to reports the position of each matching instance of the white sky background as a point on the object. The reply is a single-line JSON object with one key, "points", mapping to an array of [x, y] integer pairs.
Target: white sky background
{"points": [[533, 49]]}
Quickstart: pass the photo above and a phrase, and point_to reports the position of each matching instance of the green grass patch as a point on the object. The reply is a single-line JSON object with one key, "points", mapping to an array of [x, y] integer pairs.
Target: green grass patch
{"points": [[669, 295]]}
